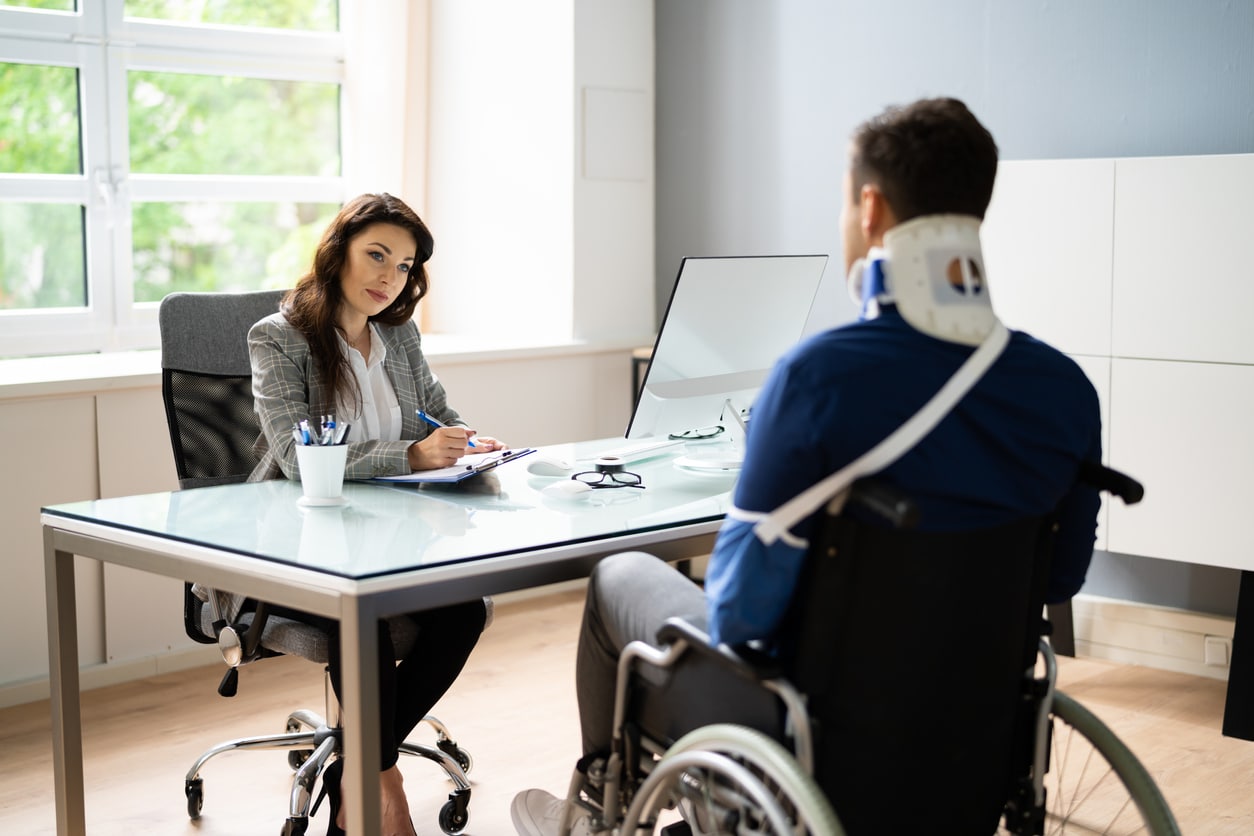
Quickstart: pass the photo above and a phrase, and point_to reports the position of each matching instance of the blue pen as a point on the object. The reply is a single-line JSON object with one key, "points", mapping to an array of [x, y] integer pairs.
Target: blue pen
{"points": [[424, 416]]}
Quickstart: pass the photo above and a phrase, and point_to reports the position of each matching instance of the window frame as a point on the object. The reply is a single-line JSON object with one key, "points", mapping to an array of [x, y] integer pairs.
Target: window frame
{"points": [[104, 47]]}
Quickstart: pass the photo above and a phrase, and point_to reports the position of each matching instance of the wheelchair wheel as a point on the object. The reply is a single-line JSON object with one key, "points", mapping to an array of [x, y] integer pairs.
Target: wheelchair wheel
{"points": [[1094, 784], [729, 779]]}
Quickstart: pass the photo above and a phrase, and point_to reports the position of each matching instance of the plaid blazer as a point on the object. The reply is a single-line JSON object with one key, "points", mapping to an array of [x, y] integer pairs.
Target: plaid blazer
{"points": [[287, 389]]}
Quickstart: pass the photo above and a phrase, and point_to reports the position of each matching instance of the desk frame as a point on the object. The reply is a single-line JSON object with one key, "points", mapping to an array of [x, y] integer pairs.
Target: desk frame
{"points": [[358, 604]]}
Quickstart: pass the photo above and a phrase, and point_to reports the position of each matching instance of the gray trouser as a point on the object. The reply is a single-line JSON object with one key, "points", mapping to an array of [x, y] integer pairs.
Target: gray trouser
{"points": [[630, 596]]}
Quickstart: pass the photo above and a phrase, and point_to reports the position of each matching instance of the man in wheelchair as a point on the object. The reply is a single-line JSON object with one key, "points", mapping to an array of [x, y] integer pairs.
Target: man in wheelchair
{"points": [[1002, 443]]}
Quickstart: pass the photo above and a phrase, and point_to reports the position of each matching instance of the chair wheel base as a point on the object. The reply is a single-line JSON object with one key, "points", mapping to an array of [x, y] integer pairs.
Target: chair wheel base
{"points": [[295, 827]]}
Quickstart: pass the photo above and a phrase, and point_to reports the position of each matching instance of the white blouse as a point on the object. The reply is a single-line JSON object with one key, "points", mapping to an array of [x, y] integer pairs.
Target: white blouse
{"points": [[380, 415]]}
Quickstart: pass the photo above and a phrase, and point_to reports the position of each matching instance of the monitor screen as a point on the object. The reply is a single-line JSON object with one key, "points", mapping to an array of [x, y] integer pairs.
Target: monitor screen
{"points": [[728, 321]]}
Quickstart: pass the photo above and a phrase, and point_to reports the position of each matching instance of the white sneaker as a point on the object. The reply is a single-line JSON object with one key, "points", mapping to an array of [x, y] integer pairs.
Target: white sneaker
{"points": [[539, 813]]}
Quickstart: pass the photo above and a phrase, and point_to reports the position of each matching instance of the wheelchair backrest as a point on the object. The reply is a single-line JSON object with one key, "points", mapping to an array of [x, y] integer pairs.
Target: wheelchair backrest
{"points": [[912, 653]]}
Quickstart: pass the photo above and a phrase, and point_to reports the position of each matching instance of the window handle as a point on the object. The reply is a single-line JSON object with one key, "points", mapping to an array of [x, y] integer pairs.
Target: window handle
{"points": [[109, 184]]}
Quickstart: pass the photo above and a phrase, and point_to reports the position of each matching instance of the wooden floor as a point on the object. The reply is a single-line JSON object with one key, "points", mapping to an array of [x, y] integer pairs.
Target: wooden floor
{"points": [[514, 709]]}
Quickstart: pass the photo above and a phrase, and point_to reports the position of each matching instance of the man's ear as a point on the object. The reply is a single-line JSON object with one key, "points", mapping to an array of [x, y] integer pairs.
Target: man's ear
{"points": [[877, 214]]}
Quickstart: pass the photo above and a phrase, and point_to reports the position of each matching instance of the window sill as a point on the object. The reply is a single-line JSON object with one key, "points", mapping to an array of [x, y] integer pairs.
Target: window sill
{"points": [[73, 374]]}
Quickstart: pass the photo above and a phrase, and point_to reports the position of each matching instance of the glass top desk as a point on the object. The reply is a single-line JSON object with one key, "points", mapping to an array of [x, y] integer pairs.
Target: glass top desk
{"points": [[391, 549]]}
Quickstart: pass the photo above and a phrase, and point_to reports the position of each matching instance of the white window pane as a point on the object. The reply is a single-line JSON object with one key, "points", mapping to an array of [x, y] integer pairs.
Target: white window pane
{"points": [[41, 256], [314, 15], [184, 123], [39, 119], [49, 5], [223, 246]]}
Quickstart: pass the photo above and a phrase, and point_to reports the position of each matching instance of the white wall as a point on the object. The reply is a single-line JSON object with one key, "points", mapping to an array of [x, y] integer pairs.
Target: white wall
{"points": [[540, 169]]}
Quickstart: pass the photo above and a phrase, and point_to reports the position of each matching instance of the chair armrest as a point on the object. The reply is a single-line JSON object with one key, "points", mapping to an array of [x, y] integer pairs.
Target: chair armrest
{"points": [[743, 659]]}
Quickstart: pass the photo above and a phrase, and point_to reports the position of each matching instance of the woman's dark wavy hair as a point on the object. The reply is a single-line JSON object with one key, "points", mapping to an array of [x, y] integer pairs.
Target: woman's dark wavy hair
{"points": [[929, 157], [311, 305]]}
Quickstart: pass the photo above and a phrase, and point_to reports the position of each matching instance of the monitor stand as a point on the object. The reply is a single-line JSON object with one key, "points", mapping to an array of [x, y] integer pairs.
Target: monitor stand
{"points": [[720, 456], [727, 458]]}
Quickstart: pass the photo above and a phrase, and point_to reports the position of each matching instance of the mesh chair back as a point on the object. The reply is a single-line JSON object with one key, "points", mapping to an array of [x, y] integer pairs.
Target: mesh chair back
{"points": [[206, 382], [206, 385], [912, 654]]}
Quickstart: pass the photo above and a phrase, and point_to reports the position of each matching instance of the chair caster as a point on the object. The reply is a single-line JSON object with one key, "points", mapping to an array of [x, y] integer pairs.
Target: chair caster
{"points": [[455, 813], [195, 790], [296, 757], [294, 827], [457, 753]]}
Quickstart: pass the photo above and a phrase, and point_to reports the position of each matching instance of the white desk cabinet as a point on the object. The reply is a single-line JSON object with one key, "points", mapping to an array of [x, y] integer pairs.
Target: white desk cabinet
{"points": [[1184, 430], [1143, 270], [1184, 259]]}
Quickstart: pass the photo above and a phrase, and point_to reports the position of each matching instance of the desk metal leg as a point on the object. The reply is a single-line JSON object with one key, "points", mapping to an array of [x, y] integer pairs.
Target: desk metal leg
{"points": [[359, 646], [67, 721], [1239, 706]]}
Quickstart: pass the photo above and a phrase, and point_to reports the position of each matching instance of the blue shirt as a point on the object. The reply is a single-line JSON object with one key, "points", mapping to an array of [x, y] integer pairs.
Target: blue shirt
{"points": [[1010, 449]]}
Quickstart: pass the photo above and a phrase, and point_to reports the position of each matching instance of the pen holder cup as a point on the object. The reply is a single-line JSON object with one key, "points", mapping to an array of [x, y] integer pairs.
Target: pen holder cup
{"points": [[322, 470]]}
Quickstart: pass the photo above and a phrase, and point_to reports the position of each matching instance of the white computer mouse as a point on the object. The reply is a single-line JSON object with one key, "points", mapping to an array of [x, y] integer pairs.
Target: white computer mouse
{"points": [[567, 489], [539, 464]]}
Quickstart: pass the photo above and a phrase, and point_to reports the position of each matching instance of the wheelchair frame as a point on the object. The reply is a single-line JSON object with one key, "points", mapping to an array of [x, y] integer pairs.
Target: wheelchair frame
{"points": [[754, 785]]}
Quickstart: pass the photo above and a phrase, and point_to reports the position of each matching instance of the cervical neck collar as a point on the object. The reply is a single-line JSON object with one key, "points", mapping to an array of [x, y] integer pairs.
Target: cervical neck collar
{"points": [[932, 269]]}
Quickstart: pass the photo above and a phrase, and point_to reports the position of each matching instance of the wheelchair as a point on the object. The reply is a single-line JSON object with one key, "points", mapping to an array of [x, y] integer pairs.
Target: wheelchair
{"points": [[871, 725]]}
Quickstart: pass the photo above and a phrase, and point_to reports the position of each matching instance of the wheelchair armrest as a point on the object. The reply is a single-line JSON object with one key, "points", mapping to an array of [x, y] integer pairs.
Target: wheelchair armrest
{"points": [[893, 505], [744, 659], [1112, 481]]}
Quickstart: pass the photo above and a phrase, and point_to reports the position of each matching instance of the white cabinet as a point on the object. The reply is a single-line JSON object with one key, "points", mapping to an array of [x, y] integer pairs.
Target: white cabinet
{"points": [[1047, 247], [1184, 259], [1143, 270], [50, 458], [143, 612], [1183, 429]]}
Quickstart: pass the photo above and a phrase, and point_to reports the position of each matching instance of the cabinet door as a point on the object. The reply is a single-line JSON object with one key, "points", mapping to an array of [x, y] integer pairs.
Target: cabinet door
{"points": [[1183, 430], [1182, 258], [143, 612], [51, 460], [1047, 247]]}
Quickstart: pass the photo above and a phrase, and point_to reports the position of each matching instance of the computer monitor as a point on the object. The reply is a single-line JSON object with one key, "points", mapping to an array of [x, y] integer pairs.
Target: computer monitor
{"points": [[729, 319]]}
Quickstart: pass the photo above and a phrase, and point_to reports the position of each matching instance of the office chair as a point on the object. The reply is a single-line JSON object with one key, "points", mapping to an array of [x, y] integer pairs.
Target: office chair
{"points": [[911, 703], [206, 384]]}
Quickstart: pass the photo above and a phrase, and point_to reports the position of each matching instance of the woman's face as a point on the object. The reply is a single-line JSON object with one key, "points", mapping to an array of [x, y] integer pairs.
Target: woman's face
{"points": [[377, 262]]}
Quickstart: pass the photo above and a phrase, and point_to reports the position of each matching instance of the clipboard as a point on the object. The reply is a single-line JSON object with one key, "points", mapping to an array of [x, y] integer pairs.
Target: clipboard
{"points": [[464, 468]]}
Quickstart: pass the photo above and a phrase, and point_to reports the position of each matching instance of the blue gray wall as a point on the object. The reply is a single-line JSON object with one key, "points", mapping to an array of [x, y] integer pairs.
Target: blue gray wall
{"points": [[756, 98]]}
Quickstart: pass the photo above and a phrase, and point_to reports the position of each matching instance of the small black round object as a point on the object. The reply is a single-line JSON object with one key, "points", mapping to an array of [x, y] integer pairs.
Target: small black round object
{"points": [[195, 790], [452, 822]]}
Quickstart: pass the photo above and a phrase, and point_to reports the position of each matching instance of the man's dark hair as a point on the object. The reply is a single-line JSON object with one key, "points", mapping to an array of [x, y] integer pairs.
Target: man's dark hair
{"points": [[930, 157]]}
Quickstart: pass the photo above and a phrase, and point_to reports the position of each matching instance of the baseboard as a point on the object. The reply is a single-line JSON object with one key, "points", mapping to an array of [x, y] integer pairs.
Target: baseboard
{"points": [[1157, 637], [114, 673]]}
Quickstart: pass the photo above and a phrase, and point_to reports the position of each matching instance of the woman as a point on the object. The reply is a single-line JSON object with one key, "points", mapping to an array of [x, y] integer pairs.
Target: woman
{"points": [[344, 344]]}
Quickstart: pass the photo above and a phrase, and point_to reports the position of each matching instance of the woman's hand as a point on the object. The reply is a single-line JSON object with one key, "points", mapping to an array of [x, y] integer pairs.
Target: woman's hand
{"points": [[486, 444], [446, 445], [440, 449]]}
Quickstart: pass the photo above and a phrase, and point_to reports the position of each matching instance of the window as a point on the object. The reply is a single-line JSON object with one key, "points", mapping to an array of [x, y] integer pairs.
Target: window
{"points": [[153, 146]]}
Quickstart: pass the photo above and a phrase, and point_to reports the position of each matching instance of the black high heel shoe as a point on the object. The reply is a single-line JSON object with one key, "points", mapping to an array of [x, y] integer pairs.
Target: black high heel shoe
{"points": [[331, 777]]}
